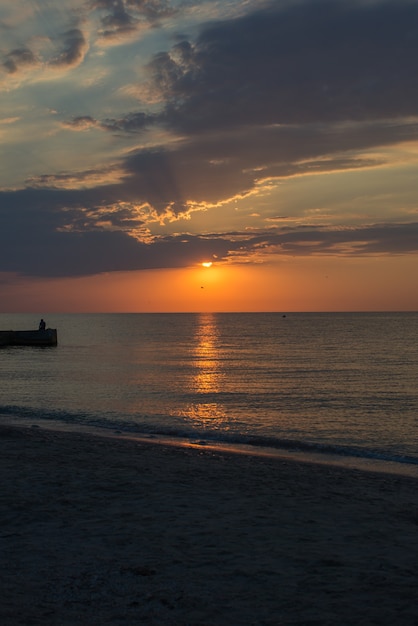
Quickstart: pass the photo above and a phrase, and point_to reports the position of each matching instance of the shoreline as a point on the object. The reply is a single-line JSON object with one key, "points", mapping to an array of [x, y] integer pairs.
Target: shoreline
{"points": [[110, 531], [366, 464]]}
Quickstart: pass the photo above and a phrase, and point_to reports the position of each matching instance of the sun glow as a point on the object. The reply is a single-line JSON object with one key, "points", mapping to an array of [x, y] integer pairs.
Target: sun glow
{"points": [[207, 264]]}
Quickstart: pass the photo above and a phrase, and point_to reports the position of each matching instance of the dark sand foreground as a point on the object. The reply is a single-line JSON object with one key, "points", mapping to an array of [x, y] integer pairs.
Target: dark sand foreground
{"points": [[102, 531]]}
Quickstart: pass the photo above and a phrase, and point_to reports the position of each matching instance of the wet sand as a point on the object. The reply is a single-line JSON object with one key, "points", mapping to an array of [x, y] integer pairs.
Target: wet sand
{"points": [[105, 531]]}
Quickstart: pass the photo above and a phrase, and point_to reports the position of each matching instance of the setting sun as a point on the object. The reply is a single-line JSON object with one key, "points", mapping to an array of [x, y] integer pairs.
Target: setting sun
{"points": [[207, 264]]}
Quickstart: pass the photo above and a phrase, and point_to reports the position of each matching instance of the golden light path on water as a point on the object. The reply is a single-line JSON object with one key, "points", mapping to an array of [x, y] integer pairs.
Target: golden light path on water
{"points": [[209, 377]]}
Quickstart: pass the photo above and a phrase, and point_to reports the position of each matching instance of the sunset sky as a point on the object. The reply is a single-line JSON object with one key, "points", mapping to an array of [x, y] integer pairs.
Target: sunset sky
{"points": [[276, 139]]}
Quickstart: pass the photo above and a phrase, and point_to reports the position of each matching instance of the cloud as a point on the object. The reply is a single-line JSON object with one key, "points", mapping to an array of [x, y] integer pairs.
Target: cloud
{"points": [[317, 61], [72, 48], [214, 168], [17, 58], [131, 123], [305, 62], [152, 9], [66, 50], [78, 180], [56, 236], [366, 240], [121, 17], [118, 20], [302, 62], [82, 122], [290, 89]]}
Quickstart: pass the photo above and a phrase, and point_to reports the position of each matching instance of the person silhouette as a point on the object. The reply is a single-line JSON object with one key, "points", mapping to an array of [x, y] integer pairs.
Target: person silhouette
{"points": [[42, 325]]}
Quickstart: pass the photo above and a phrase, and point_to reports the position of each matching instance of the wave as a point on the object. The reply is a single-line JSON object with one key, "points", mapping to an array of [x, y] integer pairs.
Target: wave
{"points": [[159, 429]]}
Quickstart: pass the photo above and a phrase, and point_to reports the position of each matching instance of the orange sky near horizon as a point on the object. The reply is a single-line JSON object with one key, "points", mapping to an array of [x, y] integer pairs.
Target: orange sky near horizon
{"points": [[298, 284]]}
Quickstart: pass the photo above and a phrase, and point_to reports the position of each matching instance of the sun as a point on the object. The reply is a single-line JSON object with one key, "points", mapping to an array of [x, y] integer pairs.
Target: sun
{"points": [[207, 264]]}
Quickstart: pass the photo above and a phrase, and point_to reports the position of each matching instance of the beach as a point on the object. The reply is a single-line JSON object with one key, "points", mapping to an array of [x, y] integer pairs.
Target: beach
{"points": [[101, 530]]}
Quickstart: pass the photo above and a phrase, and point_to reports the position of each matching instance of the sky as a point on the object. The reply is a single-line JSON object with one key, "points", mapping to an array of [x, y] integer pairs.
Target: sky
{"points": [[276, 141]]}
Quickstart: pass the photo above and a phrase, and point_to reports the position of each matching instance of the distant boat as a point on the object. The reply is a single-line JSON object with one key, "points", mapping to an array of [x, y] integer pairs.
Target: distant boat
{"points": [[47, 337]]}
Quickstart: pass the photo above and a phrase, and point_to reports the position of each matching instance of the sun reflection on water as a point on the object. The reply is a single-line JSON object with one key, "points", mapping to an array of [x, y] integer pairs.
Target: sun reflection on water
{"points": [[208, 377]]}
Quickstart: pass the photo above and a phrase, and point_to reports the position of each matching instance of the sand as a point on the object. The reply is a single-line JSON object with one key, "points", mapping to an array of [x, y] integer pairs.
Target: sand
{"points": [[102, 531]]}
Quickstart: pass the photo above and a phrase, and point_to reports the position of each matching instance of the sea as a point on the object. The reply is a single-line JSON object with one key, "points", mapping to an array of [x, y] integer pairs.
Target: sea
{"points": [[338, 388]]}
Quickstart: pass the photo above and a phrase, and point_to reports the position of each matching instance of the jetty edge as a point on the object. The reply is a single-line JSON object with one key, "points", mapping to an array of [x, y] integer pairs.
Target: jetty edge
{"points": [[47, 337]]}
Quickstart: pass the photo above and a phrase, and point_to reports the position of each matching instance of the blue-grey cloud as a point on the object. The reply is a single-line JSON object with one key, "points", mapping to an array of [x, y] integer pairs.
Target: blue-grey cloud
{"points": [[65, 50], [272, 90], [214, 167], [124, 16], [72, 46], [118, 20], [316, 61], [36, 243], [301, 62], [17, 58]]}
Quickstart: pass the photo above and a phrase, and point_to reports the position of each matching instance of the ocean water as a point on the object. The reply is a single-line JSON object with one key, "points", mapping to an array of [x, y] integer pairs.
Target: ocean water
{"points": [[340, 385]]}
